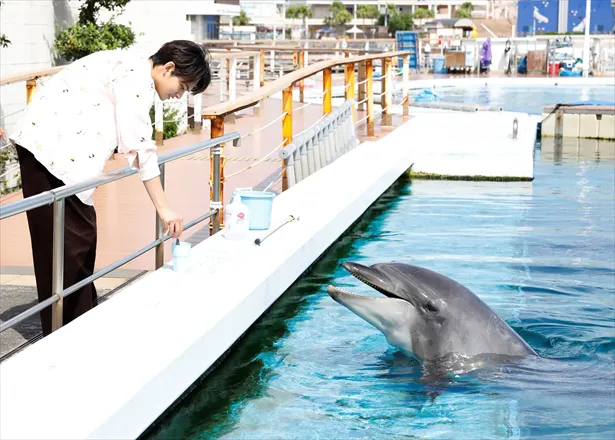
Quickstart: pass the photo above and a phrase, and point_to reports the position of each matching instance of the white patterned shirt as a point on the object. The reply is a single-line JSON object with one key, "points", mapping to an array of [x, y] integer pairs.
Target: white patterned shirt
{"points": [[97, 103]]}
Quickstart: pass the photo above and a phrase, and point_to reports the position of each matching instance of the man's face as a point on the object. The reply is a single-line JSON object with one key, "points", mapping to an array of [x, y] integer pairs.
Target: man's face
{"points": [[167, 84]]}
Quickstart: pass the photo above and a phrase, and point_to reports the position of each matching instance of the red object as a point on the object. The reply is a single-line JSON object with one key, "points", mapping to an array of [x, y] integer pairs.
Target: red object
{"points": [[554, 68]]}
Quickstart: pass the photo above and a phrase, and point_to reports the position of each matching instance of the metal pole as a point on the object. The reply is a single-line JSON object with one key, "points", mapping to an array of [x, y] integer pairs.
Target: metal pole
{"points": [[586, 54], [217, 153], [160, 228], [57, 277]]}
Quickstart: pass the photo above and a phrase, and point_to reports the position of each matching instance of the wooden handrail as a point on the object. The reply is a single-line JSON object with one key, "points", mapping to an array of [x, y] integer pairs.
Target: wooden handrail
{"points": [[293, 49], [252, 98], [27, 76], [297, 42], [20, 77]]}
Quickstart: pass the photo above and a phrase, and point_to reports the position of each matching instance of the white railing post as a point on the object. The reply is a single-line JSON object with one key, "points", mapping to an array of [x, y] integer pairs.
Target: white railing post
{"points": [[223, 82], [158, 120], [306, 61], [198, 119], [256, 75], [272, 61], [232, 89]]}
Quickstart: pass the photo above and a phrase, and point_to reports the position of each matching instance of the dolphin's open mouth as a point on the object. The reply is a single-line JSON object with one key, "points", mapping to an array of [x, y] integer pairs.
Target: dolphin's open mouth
{"points": [[366, 275]]}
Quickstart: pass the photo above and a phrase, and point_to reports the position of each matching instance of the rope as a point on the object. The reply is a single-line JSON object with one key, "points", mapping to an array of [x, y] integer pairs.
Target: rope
{"points": [[363, 82], [317, 121], [264, 126], [258, 161], [361, 120], [299, 108]]}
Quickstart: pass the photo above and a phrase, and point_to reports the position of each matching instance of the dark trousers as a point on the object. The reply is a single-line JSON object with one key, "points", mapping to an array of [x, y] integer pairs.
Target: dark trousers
{"points": [[79, 241]]}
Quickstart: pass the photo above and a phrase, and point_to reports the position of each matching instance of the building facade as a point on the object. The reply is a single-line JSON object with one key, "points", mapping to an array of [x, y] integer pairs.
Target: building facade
{"points": [[561, 16]]}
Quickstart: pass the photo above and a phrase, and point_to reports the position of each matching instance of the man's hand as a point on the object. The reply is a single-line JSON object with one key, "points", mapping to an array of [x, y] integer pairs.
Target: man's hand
{"points": [[173, 223]]}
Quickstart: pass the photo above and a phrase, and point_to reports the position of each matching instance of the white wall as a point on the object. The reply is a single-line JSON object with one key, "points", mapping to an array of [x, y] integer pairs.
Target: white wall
{"points": [[30, 25]]}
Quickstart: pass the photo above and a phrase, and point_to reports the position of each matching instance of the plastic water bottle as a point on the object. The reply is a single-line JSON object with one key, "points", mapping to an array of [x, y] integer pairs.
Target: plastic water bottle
{"points": [[181, 254], [236, 219]]}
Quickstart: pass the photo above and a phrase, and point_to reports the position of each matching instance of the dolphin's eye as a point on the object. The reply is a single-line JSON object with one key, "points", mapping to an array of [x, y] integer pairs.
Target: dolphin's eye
{"points": [[431, 308]]}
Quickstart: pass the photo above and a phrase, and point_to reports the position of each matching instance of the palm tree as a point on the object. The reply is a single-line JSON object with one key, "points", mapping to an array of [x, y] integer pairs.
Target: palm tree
{"points": [[304, 12], [242, 19], [367, 11]]}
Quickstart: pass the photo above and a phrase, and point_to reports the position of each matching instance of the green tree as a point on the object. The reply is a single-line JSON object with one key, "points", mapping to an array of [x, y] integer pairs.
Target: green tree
{"points": [[467, 5], [304, 12], [292, 13], [88, 13], [367, 12], [423, 13], [396, 21], [170, 124], [339, 15], [242, 19], [87, 36], [400, 22], [463, 13]]}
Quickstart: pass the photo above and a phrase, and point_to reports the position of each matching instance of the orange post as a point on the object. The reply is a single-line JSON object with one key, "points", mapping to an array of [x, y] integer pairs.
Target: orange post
{"points": [[217, 130], [369, 75], [287, 127], [30, 90], [386, 98], [327, 91], [349, 85]]}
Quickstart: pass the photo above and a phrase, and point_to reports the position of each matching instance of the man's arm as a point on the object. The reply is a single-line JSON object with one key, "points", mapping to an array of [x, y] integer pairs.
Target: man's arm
{"points": [[172, 221], [134, 92]]}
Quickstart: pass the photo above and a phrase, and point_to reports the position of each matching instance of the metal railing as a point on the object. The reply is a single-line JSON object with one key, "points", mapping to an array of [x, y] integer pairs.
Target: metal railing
{"points": [[320, 145], [57, 198]]}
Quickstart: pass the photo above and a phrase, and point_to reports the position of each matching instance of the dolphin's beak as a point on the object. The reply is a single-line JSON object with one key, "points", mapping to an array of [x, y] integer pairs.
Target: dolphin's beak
{"points": [[382, 313], [370, 276]]}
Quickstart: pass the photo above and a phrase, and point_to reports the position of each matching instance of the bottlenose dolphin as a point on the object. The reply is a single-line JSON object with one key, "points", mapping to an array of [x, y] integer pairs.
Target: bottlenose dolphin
{"points": [[430, 316]]}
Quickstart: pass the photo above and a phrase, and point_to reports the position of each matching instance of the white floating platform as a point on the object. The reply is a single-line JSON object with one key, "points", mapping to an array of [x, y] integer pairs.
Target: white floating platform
{"points": [[473, 145], [579, 121], [112, 372]]}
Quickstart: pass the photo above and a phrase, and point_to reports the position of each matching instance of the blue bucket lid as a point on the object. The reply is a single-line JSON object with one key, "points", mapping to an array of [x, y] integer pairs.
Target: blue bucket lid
{"points": [[256, 194]]}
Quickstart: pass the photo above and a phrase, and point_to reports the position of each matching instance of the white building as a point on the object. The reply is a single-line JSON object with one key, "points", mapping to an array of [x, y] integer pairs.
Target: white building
{"points": [[269, 15]]}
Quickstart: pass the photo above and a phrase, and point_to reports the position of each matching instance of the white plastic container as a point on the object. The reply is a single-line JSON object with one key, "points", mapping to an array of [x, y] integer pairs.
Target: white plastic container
{"points": [[236, 219], [181, 254]]}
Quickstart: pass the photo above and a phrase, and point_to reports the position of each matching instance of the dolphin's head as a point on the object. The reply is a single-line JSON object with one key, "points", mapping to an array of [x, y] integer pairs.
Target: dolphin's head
{"points": [[424, 313]]}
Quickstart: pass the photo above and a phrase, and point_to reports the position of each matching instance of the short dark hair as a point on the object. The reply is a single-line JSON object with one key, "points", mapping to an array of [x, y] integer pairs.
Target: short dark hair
{"points": [[191, 62]]}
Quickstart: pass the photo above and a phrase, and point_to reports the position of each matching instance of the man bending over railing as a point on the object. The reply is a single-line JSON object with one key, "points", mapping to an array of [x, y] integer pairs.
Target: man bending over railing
{"points": [[71, 129]]}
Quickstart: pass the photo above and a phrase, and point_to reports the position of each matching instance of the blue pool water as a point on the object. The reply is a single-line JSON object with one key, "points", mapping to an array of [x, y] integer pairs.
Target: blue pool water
{"points": [[521, 98], [541, 254]]}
